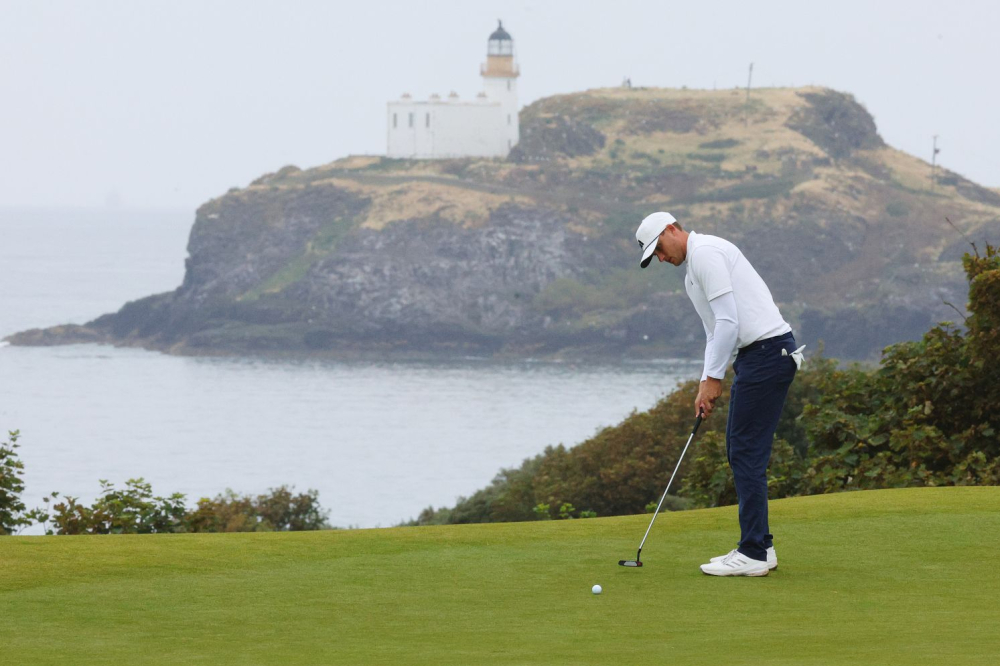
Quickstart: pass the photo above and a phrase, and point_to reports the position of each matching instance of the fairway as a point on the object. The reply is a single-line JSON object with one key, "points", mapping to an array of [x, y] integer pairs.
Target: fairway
{"points": [[883, 577]]}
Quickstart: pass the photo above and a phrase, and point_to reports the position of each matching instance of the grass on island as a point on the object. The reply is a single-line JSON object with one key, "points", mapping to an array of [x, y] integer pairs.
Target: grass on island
{"points": [[886, 577]]}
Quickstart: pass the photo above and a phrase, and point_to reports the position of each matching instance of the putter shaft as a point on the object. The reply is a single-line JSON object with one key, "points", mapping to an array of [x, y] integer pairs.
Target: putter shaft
{"points": [[656, 513]]}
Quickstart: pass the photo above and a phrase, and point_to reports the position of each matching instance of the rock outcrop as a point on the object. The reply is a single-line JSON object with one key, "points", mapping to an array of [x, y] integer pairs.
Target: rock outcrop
{"points": [[535, 255], [836, 123]]}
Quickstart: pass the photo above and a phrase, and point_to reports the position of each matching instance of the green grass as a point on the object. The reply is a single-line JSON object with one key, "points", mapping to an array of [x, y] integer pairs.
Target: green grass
{"points": [[887, 577]]}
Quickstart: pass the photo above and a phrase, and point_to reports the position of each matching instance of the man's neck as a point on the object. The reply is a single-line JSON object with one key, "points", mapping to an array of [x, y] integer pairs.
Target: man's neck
{"points": [[684, 236]]}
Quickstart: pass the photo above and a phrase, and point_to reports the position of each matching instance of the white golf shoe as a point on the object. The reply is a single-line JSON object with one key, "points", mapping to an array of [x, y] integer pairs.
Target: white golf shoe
{"points": [[772, 558], [736, 564]]}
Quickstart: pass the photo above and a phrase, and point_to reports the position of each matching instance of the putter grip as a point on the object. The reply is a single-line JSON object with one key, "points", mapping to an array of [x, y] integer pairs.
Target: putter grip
{"points": [[697, 423]]}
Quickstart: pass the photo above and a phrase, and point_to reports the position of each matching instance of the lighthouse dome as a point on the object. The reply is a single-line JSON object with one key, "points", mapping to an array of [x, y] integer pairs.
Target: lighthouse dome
{"points": [[500, 42], [500, 33]]}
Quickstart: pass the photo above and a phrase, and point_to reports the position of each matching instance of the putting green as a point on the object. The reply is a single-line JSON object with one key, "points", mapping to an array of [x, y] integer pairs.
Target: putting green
{"points": [[886, 577]]}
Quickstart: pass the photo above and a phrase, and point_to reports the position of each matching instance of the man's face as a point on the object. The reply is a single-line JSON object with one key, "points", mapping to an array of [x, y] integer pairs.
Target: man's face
{"points": [[671, 246]]}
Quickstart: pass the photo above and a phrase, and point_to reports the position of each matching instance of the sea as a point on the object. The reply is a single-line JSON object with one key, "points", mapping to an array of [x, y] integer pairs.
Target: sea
{"points": [[379, 441]]}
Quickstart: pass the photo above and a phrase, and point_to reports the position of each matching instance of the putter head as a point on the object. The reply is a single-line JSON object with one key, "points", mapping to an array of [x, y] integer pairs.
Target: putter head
{"points": [[629, 563]]}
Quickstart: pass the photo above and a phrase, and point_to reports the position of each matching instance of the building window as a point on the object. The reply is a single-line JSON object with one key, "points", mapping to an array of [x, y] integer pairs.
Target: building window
{"points": [[411, 120], [508, 119], [394, 121], [427, 123]]}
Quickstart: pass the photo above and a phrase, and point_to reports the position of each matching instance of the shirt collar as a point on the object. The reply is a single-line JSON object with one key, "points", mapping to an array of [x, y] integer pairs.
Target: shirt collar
{"points": [[687, 254]]}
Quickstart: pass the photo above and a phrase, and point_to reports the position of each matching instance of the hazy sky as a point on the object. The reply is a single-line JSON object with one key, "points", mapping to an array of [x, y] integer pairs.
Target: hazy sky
{"points": [[154, 104]]}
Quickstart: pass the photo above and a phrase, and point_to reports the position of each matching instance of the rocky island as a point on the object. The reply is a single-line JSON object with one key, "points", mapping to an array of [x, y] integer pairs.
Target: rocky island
{"points": [[534, 255]]}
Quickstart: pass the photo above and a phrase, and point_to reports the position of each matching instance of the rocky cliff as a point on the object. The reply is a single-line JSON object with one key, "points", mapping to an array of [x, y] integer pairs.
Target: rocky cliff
{"points": [[535, 255]]}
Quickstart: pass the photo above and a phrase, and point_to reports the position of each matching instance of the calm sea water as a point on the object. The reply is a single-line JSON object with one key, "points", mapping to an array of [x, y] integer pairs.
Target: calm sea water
{"points": [[379, 441]]}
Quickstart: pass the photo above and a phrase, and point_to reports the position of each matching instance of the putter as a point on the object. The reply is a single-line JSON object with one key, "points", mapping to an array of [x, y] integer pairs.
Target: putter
{"points": [[637, 562]]}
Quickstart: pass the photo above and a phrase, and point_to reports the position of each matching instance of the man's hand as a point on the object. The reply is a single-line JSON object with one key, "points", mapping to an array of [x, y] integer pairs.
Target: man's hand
{"points": [[708, 393]]}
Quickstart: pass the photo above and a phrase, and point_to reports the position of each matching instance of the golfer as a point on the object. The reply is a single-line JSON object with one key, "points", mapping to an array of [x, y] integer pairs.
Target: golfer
{"points": [[739, 314]]}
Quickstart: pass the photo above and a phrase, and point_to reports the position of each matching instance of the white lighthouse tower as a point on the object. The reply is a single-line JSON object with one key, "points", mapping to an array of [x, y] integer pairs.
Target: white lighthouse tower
{"points": [[500, 81], [485, 126]]}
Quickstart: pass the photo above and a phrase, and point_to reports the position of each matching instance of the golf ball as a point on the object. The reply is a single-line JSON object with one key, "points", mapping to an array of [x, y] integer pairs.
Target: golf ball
{"points": [[596, 589]]}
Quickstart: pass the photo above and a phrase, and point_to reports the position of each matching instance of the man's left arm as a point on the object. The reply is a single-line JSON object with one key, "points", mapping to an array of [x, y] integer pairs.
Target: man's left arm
{"points": [[718, 351]]}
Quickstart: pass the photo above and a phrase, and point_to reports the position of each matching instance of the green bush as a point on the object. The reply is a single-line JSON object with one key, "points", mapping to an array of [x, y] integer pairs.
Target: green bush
{"points": [[135, 510], [13, 514], [132, 510], [277, 511], [566, 511], [927, 416]]}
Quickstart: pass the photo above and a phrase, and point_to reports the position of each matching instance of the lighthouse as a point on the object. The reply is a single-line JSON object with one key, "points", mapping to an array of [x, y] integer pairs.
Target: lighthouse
{"points": [[500, 80], [449, 126]]}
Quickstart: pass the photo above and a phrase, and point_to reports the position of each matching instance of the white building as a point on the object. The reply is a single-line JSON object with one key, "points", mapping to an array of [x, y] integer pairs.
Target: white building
{"points": [[485, 126]]}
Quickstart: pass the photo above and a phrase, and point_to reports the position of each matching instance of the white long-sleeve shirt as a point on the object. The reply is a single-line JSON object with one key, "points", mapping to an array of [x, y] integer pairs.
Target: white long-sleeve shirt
{"points": [[716, 269]]}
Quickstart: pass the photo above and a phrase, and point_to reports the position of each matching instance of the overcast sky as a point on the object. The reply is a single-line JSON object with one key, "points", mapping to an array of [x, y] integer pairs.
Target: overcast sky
{"points": [[166, 104]]}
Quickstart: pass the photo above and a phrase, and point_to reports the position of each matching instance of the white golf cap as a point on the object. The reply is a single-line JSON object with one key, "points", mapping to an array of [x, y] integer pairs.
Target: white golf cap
{"points": [[647, 233]]}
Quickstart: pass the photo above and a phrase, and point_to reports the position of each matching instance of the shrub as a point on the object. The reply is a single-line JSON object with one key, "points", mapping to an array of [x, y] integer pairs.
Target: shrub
{"points": [[927, 416], [132, 510], [566, 511], [429, 516], [13, 516], [276, 511], [135, 510]]}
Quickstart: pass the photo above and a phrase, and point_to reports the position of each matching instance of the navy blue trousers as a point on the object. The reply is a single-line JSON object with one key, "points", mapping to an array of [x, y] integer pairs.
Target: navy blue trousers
{"points": [[756, 399]]}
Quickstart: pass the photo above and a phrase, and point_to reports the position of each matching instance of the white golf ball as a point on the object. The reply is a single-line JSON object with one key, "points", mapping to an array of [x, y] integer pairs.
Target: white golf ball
{"points": [[596, 589]]}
